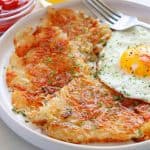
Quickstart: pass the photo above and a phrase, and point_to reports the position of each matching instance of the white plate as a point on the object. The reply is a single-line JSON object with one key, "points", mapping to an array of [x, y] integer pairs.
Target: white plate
{"points": [[15, 122]]}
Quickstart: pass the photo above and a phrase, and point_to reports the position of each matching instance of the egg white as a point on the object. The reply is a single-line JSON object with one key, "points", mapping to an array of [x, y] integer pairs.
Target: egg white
{"points": [[109, 68]]}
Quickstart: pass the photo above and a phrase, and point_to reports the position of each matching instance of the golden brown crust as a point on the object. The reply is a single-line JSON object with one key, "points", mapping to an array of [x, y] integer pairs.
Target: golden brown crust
{"points": [[51, 78]]}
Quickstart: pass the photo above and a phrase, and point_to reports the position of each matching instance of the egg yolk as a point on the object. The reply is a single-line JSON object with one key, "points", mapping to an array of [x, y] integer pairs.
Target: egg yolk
{"points": [[136, 60], [56, 1]]}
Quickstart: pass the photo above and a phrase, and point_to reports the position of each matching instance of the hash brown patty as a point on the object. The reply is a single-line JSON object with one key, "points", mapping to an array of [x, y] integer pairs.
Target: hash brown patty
{"points": [[53, 82]]}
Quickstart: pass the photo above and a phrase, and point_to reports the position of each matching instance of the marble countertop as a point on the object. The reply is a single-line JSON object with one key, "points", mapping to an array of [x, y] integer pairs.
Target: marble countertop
{"points": [[10, 141]]}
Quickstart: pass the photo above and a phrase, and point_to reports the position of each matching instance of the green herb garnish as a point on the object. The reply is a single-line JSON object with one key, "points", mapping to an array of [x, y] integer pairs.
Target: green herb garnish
{"points": [[48, 60], [117, 98], [19, 112], [100, 104]]}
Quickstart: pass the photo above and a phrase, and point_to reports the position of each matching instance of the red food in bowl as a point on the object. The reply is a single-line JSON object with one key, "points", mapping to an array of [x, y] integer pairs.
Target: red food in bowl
{"points": [[9, 4], [12, 10]]}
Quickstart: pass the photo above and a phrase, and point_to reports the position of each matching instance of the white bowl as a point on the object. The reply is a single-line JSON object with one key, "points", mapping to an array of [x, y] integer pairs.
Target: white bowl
{"points": [[7, 21], [16, 123], [13, 12]]}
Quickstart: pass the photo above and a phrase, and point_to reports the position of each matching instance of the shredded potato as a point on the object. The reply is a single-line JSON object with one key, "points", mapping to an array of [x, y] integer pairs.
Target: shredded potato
{"points": [[52, 77]]}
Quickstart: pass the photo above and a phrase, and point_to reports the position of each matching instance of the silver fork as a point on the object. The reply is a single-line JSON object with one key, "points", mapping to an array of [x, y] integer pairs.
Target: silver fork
{"points": [[116, 20]]}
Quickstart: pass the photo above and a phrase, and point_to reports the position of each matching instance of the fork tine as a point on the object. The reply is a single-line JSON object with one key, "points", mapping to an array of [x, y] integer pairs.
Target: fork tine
{"points": [[111, 15], [109, 9], [108, 19], [94, 12]]}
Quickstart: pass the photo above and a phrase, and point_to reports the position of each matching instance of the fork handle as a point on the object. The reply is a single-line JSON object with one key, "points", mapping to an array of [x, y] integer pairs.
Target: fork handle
{"points": [[143, 24]]}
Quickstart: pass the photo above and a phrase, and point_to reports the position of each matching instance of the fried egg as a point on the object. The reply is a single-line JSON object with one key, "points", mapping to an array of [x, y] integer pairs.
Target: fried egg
{"points": [[124, 64]]}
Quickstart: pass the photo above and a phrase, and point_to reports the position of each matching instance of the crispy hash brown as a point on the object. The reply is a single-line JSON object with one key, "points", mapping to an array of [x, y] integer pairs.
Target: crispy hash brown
{"points": [[52, 77], [85, 111]]}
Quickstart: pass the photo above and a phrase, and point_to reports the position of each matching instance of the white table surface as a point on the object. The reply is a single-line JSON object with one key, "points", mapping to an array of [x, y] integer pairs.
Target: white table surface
{"points": [[10, 141]]}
